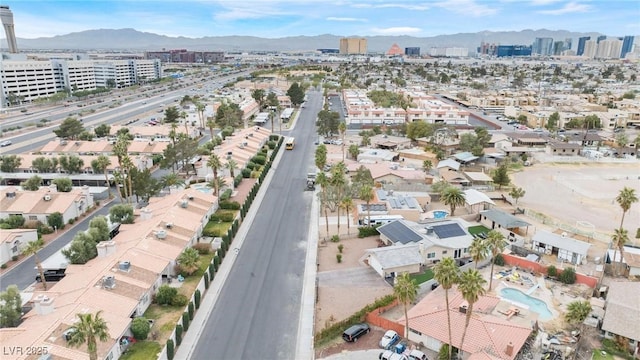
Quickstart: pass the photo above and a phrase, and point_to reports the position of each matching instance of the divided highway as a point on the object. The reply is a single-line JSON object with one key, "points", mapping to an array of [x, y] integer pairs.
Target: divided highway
{"points": [[258, 310]]}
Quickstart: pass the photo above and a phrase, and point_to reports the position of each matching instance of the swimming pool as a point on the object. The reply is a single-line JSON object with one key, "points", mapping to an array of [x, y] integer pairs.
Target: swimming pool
{"points": [[534, 304], [202, 187], [439, 214]]}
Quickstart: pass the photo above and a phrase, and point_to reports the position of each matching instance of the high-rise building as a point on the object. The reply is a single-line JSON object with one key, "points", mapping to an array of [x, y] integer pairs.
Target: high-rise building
{"points": [[412, 51], [353, 46], [568, 42], [609, 49], [558, 47], [513, 50], [627, 45], [590, 48], [542, 46], [6, 16], [581, 42], [600, 38]]}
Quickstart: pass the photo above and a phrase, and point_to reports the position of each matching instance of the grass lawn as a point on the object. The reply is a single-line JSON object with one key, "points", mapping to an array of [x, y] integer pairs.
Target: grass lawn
{"points": [[142, 350], [597, 355], [219, 228], [425, 276], [478, 229]]}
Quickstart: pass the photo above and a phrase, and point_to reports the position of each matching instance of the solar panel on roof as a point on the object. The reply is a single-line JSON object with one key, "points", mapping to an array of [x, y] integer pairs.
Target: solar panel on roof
{"points": [[398, 232], [448, 230]]}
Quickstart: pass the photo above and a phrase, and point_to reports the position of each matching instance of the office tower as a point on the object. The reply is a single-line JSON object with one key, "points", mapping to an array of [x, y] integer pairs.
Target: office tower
{"points": [[6, 16], [581, 42], [542, 46], [353, 46], [590, 47], [627, 45], [558, 47], [609, 49], [600, 38], [513, 50], [412, 51], [568, 42]]}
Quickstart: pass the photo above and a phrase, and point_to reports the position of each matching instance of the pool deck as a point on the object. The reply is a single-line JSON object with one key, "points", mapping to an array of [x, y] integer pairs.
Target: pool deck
{"points": [[539, 290]]}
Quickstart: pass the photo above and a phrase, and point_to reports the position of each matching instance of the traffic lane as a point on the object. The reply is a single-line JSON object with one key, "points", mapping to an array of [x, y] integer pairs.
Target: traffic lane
{"points": [[24, 273]]}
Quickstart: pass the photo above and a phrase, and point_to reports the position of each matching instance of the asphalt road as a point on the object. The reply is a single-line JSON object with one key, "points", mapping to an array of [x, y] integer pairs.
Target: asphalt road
{"points": [[258, 311]]}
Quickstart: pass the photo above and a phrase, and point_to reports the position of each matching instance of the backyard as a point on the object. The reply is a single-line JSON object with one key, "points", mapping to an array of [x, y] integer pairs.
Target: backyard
{"points": [[423, 277]]}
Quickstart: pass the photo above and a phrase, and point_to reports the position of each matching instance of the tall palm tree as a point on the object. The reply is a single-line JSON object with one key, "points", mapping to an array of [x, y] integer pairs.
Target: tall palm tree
{"points": [[347, 204], [128, 166], [471, 286], [100, 165], [171, 179], [447, 273], [88, 330], [342, 128], [214, 164], [232, 165], [323, 181], [453, 197], [32, 248], [495, 244], [619, 239], [366, 194], [626, 197], [200, 107], [406, 291], [184, 115], [211, 124], [338, 182], [478, 251]]}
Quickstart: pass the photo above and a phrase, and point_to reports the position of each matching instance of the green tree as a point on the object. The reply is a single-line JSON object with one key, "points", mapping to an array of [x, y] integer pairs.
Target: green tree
{"points": [[10, 307], [478, 251], [82, 249], [229, 115], [522, 119], [99, 229], [577, 311], [89, 329], [232, 166], [171, 180], [427, 165], [495, 244], [101, 165], [121, 213], [501, 176], [323, 180], [9, 163], [406, 291], [453, 197], [342, 128], [626, 197], [347, 204], [63, 184], [592, 122], [211, 124], [189, 260], [55, 220], [354, 150], [471, 286], [619, 239], [171, 115], [215, 164], [70, 128], [321, 156], [144, 185], [328, 122], [296, 94], [42, 164], [259, 96], [367, 195], [447, 273], [102, 130], [72, 164], [553, 121], [32, 248], [32, 184], [140, 328], [419, 129], [516, 193]]}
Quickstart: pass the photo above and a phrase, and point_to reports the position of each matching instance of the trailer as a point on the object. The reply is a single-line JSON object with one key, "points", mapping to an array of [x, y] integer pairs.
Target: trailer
{"points": [[311, 182]]}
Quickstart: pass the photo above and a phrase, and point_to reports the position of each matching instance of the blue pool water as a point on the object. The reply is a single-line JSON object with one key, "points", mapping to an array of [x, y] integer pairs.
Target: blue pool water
{"points": [[439, 214], [202, 188], [534, 304]]}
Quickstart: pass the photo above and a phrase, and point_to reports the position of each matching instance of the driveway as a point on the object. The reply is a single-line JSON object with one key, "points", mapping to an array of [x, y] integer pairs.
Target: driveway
{"points": [[359, 277]]}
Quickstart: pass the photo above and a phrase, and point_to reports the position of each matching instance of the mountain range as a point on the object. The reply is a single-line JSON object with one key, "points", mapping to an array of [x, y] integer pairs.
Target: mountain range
{"points": [[133, 40]]}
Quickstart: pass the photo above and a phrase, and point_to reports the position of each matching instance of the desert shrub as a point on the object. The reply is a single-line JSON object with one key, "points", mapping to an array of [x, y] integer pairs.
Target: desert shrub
{"points": [[335, 238], [226, 195], [274, 137], [165, 294], [365, 231], [191, 309], [196, 298], [339, 258], [340, 248], [229, 205], [237, 180], [498, 260], [179, 300], [246, 172], [140, 328], [272, 144], [259, 159], [178, 334], [202, 248], [552, 271], [170, 349], [567, 276]]}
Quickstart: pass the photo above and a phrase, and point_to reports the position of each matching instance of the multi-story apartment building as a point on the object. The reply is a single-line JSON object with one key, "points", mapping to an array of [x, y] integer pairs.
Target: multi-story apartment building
{"points": [[542, 46], [186, 56], [350, 46], [581, 43], [609, 49], [23, 80]]}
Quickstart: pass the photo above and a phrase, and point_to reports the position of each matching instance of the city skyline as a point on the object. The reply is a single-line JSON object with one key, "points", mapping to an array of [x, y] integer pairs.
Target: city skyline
{"points": [[282, 18]]}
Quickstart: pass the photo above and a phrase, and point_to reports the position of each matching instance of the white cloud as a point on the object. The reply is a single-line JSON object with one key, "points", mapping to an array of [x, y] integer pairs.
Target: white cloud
{"points": [[402, 30], [346, 19], [543, 2], [467, 7], [416, 7], [572, 7]]}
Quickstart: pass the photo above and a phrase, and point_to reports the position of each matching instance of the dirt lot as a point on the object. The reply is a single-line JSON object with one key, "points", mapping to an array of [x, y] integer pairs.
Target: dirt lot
{"points": [[368, 341]]}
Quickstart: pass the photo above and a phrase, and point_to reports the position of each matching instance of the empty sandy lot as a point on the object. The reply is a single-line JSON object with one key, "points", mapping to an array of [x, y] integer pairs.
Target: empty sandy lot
{"points": [[578, 192]]}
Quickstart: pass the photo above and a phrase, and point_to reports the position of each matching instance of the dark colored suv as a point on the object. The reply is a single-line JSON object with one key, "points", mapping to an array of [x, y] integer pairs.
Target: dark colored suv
{"points": [[353, 333], [52, 275]]}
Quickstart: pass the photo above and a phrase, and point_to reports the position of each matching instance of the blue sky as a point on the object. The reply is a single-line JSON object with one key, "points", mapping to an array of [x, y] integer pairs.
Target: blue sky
{"points": [[279, 18]]}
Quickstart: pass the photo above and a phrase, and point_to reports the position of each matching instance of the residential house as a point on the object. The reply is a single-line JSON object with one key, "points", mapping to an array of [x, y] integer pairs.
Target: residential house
{"points": [[564, 247], [403, 204], [13, 241], [555, 147], [493, 330], [476, 201], [376, 156], [390, 261], [622, 313], [631, 259], [38, 205], [97, 147], [390, 173], [389, 142], [510, 226]]}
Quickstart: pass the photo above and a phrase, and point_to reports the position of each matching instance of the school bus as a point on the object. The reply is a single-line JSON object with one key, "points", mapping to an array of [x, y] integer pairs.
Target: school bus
{"points": [[290, 143]]}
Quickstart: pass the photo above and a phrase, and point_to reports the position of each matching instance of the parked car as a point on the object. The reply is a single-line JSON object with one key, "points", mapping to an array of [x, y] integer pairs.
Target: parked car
{"points": [[52, 275], [390, 355], [6, 143], [435, 285], [353, 333], [389, 339], [417, 355]]}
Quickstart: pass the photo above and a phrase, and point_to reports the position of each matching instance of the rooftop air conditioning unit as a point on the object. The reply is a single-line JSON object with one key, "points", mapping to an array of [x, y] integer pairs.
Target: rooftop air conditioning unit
{"points": [[245, 143], [190, 197], [47, 197], [184, 204], [169, 225], [66, 335], [161, 234], [124, 266], [109, 282]]}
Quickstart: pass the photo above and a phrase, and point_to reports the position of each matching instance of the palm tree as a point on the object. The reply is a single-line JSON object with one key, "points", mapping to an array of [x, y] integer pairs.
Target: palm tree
{"points": [[495, 245], [338, 181], [172, 179], [453, 197], [427, 165], [471, 286], [232, 165], [200, 107], [366, 194], [577, 311], [626, 197], [211, 124], [32, 248], [214, 164], [323, 181], [184, 116], [406, 291], [446, 272], [88, 329], [347, 204], [189, 260], [354, 150], [619, 238], [478, 250], [342, 128], [128, 166], [100, 165]]}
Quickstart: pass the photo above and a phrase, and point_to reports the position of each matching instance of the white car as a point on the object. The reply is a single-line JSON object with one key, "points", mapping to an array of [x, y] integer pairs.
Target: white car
{"points": [[390, 355], [6, 143], [389, 339]]}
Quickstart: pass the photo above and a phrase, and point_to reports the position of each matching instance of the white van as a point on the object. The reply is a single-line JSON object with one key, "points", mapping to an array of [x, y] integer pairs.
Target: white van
{"points": [[380, 219]]}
